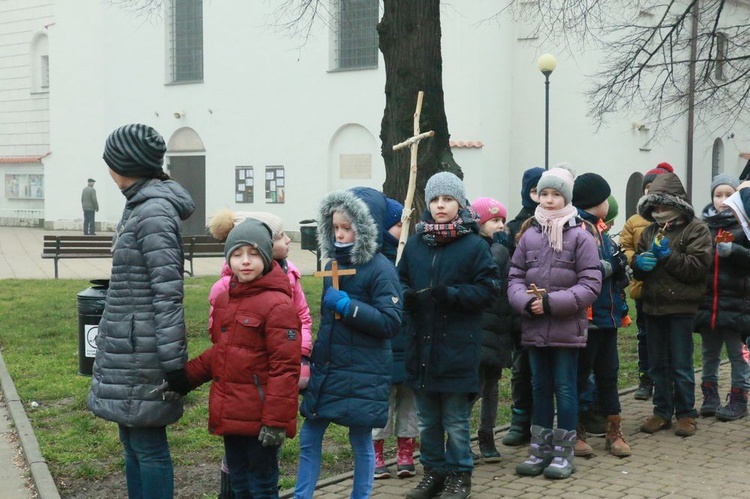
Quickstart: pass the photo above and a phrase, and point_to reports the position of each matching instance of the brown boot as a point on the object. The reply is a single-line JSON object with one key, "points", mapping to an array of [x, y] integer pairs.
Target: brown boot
{"points": [[685, 427], [655, 423], [614, 441], [581, 448]]}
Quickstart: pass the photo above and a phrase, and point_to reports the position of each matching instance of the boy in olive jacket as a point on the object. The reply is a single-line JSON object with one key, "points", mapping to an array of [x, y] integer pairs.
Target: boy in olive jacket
{"points": [[673, 258]]}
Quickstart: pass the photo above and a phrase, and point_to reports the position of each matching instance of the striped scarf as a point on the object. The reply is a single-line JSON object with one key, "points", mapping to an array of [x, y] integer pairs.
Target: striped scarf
{"points": [[437, 234]]}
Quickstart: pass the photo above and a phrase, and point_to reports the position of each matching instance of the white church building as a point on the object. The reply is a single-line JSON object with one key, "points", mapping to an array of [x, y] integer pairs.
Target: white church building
{"points": [[257, 120]]}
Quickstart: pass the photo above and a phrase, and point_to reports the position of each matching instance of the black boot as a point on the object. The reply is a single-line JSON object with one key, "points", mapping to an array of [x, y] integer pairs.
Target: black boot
{"points": [[736, 408], [711, 400], [457, 485], [645, 388], [431, 485], [487, 446], [519, 432]]}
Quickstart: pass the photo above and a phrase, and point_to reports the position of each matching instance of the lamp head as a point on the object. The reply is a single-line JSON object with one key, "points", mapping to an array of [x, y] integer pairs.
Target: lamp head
{"points": [[546, 63]]}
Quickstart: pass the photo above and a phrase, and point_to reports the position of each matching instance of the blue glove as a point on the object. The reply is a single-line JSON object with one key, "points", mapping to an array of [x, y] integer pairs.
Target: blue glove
{"points": [[646, 261], [336, 300], [724, 249], [661, 249]]}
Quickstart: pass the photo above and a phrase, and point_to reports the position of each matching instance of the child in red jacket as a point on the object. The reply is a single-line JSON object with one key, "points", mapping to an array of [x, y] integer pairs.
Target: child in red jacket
{"points": [[254, 364]]}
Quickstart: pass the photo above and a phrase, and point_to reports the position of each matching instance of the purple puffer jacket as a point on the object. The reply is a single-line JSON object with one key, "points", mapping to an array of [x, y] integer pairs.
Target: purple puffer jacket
{"points": [[571, 278]]}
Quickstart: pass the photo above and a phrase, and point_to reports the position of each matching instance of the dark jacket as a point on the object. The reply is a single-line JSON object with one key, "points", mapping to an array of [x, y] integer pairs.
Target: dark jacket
{"points": [[514, 226], [497, 318], [678, 282], [444, 344], [255, 361], [142, 332], [608, 308], [726, 303], [572, 279], [351, 359]]}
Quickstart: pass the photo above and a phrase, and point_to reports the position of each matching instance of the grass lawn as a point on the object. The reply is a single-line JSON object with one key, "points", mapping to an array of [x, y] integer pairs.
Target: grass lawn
{"points": [[39, 341]]}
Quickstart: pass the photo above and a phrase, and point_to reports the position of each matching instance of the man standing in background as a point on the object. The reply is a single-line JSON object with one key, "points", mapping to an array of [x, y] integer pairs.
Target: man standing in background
{"points": [[90, 206]]}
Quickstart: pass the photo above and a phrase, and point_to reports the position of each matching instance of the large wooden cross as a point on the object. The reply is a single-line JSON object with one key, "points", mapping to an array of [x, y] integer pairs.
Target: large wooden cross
{"points": [[334, 274], [413, 144], [538, 292]]}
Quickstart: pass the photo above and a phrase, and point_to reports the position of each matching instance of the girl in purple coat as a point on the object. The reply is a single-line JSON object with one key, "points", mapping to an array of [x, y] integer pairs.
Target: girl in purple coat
{"points": [[557, 255]]}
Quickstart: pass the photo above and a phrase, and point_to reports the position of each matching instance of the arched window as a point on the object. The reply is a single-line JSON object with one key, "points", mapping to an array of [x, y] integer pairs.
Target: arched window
{"points": [[39, 63], [717, 158], [633, 193]]}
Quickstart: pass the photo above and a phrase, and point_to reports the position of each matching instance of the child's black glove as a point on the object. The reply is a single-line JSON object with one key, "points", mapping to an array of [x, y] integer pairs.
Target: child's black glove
{"points": [[442, 294], [410, 300], [178, 381]]}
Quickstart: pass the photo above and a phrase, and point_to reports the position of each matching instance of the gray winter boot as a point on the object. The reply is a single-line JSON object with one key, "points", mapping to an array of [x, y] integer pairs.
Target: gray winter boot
{"points": [[519, 432], [562, 465], [645, 388], [736, 408], [711, 400], [539, 452]]}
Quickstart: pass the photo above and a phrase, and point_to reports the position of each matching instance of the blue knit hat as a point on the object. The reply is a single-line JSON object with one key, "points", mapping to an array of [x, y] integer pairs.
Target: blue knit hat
{"points": [[393, 211], [530, 179]]}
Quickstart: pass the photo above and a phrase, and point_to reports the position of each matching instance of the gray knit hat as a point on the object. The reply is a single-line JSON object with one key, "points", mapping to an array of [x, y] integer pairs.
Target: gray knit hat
{"points": [[445, 184], [725, 179], [253, 233], [135, 151], [559, 178]]}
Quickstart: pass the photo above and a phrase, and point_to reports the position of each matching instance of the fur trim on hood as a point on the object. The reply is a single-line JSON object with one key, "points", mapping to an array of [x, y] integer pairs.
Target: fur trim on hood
{"points": [[666, 190], [366, 230]]}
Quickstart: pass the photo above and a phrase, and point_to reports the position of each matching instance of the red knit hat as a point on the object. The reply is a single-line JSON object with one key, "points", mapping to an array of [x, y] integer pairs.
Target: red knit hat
{"points": [[488, 208], [651, 174]]}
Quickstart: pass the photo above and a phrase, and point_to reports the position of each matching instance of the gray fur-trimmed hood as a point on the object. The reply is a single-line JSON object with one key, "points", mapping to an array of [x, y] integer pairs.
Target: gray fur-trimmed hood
{"points": [[666, 190], [364, 225]]}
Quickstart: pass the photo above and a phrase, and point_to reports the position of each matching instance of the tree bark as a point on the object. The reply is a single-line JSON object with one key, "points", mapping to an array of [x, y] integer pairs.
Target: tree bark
{"points": [[409, 37]]}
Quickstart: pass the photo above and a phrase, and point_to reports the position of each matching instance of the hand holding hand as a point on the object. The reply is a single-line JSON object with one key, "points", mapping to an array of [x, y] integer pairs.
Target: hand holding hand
{"points": [[646, 261], [177, 382], [337, 300], [724, 249], [271, 436], [660, 248], [537, 306], [166, 393], [304, 373]]}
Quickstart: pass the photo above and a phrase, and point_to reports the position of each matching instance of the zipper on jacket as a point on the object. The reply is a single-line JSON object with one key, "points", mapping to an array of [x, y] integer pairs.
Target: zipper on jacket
{"points": [[715, 301], [260, 389]]}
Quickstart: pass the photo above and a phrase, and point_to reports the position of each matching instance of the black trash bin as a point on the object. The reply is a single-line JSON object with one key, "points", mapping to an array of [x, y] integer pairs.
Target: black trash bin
{"points": [[90, 308]]}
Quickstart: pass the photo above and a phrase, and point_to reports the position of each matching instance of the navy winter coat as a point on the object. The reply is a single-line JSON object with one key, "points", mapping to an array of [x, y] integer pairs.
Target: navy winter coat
{"points": [[351, 360], [444, 342]]}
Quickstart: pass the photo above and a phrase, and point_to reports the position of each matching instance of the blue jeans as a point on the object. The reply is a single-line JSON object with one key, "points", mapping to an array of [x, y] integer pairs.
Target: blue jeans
{"points": [[713, 341], [670, 355], [600, 357], [520, 381], [444, 414], [554, 372], [253, 469], [148, 464], [310, 450], [489, 376]]}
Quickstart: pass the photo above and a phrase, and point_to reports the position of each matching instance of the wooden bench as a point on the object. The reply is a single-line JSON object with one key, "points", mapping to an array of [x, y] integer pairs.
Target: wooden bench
{"points": [[68, 246]]}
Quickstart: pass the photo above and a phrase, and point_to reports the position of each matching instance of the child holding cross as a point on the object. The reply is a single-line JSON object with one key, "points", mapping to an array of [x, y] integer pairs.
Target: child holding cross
{"points": [[351, 359], [555, 275]]}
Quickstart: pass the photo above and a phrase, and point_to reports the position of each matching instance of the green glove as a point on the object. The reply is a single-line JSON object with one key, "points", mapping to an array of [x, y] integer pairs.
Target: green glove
{"points": [[270, 437]]}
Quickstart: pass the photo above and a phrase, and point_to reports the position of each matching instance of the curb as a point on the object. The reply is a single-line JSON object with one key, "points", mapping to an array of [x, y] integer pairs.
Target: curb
{"points": [[42, 478]]}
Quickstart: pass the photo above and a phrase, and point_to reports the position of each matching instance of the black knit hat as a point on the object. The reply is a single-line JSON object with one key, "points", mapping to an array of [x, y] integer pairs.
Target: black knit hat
{"points": [[589, 190], [135, 151]]}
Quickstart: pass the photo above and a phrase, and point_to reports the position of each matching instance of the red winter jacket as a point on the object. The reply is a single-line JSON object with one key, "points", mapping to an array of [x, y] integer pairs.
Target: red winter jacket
{"points": [[255, 361]]}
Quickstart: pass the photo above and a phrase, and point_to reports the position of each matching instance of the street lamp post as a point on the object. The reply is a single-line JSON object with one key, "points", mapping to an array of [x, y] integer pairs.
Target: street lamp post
{"points": [[546, 64]]}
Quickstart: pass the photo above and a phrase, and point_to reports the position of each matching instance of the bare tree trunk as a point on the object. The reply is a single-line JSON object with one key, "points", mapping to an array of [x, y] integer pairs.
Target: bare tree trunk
{"points": [[409, 35]]}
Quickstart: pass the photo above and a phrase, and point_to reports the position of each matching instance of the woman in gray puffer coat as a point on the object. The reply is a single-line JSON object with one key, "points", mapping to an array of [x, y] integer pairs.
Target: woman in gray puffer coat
{"points": [[142, 338]]}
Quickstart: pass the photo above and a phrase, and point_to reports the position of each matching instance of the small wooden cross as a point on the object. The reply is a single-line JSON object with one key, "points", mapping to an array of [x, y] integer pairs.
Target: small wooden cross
{"points": [[334, 274], [538, 292], [413, 144]]}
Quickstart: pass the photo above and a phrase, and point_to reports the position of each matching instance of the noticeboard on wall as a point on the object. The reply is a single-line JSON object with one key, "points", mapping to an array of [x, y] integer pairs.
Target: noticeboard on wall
{"points": [[24, 186]]}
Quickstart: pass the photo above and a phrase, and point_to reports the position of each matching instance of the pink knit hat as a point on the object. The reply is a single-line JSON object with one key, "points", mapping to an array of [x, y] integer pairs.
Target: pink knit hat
{"points": [[489, 208]]}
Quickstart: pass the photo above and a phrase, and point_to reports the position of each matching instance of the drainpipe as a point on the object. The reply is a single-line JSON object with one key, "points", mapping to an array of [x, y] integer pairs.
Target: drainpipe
{"points": [[691, 99]]}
